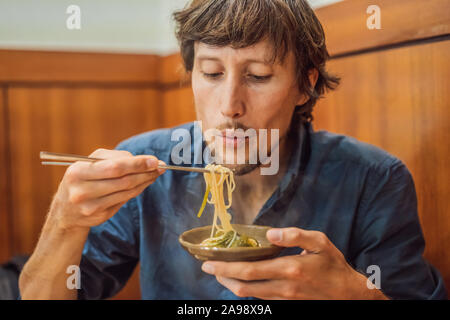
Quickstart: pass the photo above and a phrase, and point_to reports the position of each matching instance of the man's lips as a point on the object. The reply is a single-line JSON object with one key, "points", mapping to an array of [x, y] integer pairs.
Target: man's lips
{"points": [[237, 134], [235, 139]]}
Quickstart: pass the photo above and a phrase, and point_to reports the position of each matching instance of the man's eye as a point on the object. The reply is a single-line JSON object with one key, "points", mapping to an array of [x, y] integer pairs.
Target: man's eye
{"points": [[212, 75], [259, 78]]}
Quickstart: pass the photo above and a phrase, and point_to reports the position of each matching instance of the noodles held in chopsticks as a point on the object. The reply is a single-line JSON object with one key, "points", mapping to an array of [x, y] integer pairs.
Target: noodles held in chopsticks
{"points": [[222, 235]]}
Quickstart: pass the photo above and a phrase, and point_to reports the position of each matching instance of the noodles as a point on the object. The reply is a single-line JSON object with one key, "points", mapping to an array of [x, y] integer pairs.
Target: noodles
{"points": [[214, 185], [222, 234]]}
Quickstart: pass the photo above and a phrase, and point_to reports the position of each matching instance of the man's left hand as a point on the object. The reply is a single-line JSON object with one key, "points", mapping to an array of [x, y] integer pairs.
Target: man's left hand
{"points": [[319, 272]]}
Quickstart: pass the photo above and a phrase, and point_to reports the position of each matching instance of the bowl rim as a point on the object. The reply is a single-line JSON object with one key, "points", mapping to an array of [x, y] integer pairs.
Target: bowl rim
{"points": [[188, 244]]}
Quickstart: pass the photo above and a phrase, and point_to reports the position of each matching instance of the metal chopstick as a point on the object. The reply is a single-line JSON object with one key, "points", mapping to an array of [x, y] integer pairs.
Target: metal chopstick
{"points": [[64, 159]]}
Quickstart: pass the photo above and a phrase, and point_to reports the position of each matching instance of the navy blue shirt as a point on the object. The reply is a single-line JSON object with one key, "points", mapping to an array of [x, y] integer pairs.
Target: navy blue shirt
{"points": [[361, 197]]}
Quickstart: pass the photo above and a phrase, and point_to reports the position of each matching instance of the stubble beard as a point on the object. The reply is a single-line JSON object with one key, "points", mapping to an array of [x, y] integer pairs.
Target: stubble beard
{"points": [[240, 169]]}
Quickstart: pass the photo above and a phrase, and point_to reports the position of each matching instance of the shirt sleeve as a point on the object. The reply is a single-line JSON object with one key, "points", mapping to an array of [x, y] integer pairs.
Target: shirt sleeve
{"points": [[110, 254], [388, 235]]}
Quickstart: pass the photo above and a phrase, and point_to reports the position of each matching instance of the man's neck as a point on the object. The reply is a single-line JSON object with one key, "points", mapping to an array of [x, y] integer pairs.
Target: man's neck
{"points": [[254, 189]]}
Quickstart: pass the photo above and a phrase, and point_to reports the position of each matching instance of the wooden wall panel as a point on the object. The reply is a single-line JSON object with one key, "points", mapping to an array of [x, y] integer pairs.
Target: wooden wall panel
{"points": [[5, 239], [345, 23], [172, 71], [398, 100], [178, 106], [69, 67], [70, 121]]}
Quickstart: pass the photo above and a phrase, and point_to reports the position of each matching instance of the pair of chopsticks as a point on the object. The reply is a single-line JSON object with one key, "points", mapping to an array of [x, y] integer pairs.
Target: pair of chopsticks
{"points": [[64, 159]]}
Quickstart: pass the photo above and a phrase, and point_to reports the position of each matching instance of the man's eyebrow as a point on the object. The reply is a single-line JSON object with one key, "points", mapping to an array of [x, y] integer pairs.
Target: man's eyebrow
{"points": [[203, 57], [200, 58]]}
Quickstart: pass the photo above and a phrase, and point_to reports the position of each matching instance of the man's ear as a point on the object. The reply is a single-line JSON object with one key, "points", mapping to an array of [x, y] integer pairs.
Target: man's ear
{"points": [[313, 75]]}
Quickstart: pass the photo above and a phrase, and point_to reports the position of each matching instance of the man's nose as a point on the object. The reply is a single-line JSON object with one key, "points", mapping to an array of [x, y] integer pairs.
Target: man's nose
{"points": [[232, 105]]}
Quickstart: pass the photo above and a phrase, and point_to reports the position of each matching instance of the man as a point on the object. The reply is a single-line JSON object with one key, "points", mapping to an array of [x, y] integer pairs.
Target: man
{"points": [[341, 208]]}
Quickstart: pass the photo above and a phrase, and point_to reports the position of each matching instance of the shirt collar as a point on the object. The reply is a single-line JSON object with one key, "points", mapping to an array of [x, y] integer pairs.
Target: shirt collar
{"points": [[295, 163]]}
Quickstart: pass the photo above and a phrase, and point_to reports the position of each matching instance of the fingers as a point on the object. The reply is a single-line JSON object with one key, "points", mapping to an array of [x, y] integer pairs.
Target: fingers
{"points": [[92, 189], [92, 192], [311, 241], [113, 209], [91, 207], [112, 168], [109, 212], [99, 217], [110, 154], [278, 268]]}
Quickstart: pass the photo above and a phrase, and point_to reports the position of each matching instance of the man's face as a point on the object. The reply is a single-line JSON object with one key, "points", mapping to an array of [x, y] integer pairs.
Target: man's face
{"points": [[240, 89]]}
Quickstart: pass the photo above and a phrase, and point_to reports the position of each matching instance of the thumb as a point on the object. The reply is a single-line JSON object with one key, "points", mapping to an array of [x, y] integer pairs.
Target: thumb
{"points": [[311, 241]]}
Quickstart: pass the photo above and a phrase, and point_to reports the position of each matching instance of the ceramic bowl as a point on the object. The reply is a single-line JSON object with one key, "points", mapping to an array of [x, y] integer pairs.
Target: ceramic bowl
{"points": [[190, 240]]}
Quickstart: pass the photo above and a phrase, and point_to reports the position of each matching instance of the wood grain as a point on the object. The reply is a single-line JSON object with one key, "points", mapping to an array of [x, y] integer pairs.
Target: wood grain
{"points": [[345, 23], [5, 238], [69, 121], [178, 106], [398, 100], [69, 67], [172, 73]]}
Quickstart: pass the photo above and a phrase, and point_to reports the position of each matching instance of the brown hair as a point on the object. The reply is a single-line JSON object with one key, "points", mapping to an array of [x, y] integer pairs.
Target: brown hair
{"points": [[287, 24]]}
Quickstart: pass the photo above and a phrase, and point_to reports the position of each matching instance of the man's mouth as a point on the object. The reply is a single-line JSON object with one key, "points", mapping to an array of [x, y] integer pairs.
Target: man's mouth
{"points": [[234, 138]]}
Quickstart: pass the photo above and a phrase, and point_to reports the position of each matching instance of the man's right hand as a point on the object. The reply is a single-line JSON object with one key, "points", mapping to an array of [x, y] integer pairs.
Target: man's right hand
{"points": [[91, 193]]}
